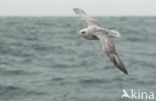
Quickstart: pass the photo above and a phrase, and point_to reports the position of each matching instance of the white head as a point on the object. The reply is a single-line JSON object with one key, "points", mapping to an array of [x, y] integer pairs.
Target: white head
{"points": [[84, 32], [114, 33]]}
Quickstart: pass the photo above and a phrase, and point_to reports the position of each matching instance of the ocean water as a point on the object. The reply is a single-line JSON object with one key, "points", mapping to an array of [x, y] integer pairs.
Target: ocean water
{"points": [[44, 59]]}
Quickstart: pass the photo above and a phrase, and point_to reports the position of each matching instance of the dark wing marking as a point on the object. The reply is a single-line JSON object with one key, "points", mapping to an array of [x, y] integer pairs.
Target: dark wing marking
{"points": [[109, 47]]}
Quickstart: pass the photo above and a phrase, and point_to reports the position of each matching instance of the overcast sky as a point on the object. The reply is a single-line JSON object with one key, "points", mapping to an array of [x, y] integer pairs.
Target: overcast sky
{"points": [[64, 7]]}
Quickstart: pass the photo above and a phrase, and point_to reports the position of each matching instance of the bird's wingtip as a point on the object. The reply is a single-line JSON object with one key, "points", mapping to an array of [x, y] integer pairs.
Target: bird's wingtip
{"points": [[118, 63], [126, 72], [123, 69], [75, 8]]}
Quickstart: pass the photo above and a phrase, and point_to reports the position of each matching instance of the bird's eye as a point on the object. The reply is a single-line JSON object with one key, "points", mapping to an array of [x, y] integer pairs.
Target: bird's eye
{"points": [[83, 32]]}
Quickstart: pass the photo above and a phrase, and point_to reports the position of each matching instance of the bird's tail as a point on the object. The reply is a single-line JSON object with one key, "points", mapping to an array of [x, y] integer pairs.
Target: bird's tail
{"points": [[114, 34]]}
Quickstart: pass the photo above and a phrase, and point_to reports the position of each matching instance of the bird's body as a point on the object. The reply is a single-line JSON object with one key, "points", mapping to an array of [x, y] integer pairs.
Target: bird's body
{"points": [[95, 31]]}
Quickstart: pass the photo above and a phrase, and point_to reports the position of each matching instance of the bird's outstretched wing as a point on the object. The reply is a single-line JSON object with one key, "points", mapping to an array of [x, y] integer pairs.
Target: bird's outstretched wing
{"points": [[109, 47], [89, 20]]}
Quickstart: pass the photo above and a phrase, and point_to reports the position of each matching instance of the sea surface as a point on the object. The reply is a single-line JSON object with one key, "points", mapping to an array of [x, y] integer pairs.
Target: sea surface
{"points": [[44, 59]]}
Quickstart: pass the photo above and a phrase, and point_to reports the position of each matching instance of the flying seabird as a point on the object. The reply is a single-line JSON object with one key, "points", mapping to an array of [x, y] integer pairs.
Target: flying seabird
{"points": [[95, 31]]}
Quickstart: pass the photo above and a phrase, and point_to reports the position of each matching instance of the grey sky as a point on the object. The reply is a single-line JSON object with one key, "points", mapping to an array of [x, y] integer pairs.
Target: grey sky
{"points": [[64, 7]]}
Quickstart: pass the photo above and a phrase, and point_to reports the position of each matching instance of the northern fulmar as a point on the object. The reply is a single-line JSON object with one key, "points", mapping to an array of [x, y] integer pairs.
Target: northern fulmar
{"points": [[95, 31]]}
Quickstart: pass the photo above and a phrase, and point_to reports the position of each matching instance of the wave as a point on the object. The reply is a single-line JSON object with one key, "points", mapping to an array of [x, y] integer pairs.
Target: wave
{"points": [[11, 92]]}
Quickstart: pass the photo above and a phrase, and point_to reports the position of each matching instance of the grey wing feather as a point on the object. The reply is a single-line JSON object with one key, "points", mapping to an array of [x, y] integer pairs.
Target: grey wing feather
{"points": [[109, 48], [89, 20]]}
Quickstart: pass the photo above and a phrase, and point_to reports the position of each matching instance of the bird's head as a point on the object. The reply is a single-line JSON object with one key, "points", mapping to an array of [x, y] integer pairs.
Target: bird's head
{"points": [[114, 33], [84, 32]]}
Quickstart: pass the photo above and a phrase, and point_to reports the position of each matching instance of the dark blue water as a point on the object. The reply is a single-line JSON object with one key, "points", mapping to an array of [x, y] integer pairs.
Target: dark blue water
{"points": [[44, 59]]}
